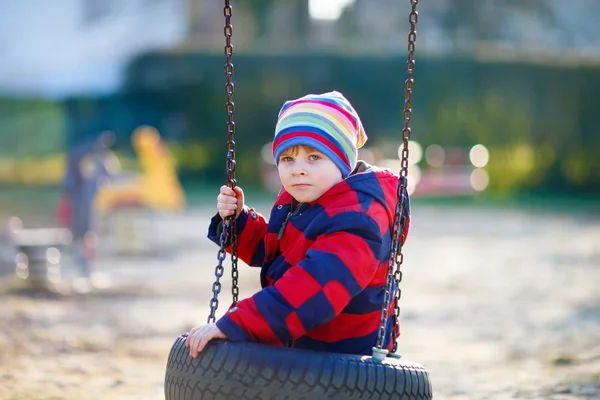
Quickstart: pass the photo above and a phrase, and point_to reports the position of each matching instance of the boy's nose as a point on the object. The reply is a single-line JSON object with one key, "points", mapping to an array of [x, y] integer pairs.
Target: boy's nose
{"points": [[298, 170]]}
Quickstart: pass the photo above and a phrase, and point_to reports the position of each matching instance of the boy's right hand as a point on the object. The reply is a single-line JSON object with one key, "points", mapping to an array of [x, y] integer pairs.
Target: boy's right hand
{"points": [[230, 201]]}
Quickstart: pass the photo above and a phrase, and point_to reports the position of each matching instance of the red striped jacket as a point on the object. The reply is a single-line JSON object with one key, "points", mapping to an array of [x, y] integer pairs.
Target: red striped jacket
{"points": [[324, 267]]}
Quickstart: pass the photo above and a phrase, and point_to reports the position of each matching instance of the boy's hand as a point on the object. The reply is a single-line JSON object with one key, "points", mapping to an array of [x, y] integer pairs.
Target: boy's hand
{"points": [[198, 338], [230, 201]]}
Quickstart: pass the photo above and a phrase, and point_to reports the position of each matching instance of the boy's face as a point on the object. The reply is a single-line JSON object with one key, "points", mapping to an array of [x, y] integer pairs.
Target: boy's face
{"points": [[306, 173]]}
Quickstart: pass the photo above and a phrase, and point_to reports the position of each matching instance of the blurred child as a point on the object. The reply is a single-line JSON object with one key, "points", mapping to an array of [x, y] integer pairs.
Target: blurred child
{"points": [[324, 251], [90, 165]]}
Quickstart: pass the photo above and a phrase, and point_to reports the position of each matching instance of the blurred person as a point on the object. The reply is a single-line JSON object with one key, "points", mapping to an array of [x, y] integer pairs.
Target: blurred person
{"points": [[90, 166], [324, 251]]}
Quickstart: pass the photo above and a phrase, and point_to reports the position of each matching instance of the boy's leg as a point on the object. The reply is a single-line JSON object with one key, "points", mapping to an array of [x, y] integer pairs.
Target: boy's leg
{"points": [[87, 254]]}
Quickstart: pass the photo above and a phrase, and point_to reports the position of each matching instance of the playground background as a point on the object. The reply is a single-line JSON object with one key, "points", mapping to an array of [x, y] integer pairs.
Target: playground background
{"points": [[500, 294]]}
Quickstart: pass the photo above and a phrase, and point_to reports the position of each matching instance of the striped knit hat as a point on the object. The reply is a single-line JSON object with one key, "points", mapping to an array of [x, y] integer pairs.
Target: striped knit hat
{"points": [[326, 122]]}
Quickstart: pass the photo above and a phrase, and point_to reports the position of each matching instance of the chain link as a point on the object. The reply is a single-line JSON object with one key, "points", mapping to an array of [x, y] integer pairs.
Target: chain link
{"points": [[394, 274], [216, 287], [229, 225]]}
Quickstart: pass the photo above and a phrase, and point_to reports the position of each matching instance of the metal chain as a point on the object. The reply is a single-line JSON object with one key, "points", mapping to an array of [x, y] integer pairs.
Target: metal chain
{"points": [[229, 225], [394, 274], [216, 287], [230, 107]]}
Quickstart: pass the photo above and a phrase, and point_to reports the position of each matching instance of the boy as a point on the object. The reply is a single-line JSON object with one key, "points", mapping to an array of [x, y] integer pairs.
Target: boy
{"points": [[324, 251]]}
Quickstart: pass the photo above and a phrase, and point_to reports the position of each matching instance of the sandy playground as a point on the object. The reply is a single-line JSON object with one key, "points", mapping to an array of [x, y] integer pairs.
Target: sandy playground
{"points": [[497, 304]]}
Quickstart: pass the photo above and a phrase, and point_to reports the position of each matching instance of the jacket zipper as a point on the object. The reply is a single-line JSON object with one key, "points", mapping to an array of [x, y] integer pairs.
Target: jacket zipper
{"points": [[287, 218]]}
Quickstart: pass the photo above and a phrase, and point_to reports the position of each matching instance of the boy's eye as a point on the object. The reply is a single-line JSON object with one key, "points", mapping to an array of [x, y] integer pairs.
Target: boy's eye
{"points": [[286, 159], [314, 157]]}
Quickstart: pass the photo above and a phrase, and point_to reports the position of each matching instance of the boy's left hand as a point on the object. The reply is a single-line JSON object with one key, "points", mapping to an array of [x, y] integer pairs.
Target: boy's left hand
{"points": [[198, 338]]}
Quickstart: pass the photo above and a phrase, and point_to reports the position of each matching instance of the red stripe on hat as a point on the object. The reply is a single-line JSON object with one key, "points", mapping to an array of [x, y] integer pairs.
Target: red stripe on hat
{"points": [[346, 113], [316, 137]]}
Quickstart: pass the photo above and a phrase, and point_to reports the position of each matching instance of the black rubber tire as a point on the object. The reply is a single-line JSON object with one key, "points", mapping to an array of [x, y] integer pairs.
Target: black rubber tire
{"points": [[235, 370]]}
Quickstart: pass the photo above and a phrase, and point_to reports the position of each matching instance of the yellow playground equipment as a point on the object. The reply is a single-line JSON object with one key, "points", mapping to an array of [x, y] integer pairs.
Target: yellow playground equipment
{"points": [[133, 206], [156, 188]]}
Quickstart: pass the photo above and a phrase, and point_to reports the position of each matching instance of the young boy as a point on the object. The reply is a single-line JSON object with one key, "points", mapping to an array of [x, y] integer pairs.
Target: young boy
{"points": [[324, 251]]}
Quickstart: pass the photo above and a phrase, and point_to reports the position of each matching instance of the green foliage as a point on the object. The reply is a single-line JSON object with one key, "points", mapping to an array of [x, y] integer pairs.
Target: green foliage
{"points": [[190, 156], [31, 127], [538, 121]]}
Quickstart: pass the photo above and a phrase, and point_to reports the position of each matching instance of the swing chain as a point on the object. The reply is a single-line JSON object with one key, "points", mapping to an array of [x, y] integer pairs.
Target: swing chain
{"points": [[229, 225], [216, 287], [230, 107], [394, 274]]}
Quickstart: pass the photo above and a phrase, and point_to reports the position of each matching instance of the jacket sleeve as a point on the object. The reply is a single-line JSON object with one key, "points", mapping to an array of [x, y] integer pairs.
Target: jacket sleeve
{"points": [[338, 265], [251, 228]]}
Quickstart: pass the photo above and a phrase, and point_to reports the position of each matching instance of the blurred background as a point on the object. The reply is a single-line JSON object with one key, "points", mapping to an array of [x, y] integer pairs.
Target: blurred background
{"points": [[518, 78], [112, 112]]}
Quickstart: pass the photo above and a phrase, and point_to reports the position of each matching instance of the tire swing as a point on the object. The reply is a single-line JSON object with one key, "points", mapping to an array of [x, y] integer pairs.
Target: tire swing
{"points": [[247, 370]]}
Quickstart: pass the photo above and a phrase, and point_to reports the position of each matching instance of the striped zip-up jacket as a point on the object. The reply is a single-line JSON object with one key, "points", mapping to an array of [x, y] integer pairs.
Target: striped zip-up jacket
{"points": [[324, 267]]}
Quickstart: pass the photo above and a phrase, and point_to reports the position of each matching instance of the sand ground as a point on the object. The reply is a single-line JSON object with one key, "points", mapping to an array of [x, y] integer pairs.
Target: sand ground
{"points": [[497, 304]]}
